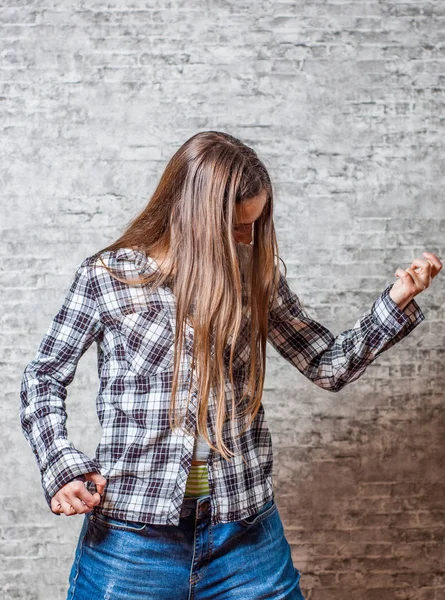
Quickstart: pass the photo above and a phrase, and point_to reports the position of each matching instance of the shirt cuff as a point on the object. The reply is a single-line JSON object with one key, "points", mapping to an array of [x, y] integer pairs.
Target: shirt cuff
{"points": [[392, 319]]}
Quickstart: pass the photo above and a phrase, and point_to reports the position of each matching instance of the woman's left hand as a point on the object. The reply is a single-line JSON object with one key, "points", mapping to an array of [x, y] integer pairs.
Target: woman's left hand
{"points": [[415, 279]]}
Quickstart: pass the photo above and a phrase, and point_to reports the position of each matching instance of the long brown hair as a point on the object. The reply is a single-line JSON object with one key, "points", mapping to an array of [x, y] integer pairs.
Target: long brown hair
{"points": [[189, 220]]}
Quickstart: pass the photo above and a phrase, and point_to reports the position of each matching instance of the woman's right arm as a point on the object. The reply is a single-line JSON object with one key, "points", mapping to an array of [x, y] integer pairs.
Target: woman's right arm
{"points": [[43, 388]]}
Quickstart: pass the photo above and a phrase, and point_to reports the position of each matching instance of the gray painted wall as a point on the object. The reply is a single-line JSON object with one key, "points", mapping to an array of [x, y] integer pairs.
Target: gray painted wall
{"points": [[344, 102]]}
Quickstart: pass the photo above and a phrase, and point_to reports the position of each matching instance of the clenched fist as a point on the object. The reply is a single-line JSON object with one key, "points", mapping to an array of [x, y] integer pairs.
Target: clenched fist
{"points": [[74, 499]]}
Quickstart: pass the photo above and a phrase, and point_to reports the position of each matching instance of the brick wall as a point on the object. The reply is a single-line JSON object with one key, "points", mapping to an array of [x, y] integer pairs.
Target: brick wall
{"points": [[344, 102]]}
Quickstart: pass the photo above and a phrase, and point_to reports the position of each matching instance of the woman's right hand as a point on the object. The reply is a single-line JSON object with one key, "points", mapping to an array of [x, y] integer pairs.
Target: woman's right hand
{"points": [[74, 498]]}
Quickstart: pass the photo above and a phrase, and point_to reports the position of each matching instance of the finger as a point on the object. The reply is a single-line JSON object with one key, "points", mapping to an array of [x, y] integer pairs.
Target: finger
{"points": [[404, 277], [418, 281], [424, 274], [90, 500], [96, 498], [78, 506], [98, 479], [67, 508], [434, 259], [426, 269], [56, 507], [78, 490], [410, 280], [423, 263]]}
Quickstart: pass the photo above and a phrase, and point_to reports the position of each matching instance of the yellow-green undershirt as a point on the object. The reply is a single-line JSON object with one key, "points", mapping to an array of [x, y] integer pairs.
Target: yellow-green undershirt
{"points": [[197, 482]]}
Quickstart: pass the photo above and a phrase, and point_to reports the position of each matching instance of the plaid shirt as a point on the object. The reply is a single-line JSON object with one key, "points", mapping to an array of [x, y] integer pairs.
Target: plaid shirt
{"points": [[145, 463]]}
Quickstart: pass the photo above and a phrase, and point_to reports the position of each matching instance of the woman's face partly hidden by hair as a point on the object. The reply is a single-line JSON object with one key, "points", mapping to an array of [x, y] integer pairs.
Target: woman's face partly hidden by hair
{"points": [[246, 214]]}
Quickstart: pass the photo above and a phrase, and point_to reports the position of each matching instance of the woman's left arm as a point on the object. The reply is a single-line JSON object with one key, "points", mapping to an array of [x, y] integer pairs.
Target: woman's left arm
{"points": [[333, 361]]}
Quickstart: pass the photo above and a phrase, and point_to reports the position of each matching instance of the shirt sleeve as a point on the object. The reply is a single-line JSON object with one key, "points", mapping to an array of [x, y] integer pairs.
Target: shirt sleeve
{"points": [[44, 387], [333, 361]]}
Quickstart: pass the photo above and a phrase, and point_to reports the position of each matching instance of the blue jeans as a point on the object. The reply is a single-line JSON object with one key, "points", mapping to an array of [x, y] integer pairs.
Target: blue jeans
{"points": [[126, 560]]}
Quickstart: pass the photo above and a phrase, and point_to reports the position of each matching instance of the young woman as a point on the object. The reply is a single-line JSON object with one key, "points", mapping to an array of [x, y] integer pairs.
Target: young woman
{"points": [[179, 500]]}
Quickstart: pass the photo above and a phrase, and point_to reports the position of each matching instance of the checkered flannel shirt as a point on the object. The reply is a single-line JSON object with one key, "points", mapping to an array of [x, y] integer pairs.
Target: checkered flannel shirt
{"points": [[145, 463]]}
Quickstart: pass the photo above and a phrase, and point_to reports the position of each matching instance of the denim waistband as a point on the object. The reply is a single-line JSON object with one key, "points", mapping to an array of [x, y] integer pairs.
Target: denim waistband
{"points": [[195, 506]]}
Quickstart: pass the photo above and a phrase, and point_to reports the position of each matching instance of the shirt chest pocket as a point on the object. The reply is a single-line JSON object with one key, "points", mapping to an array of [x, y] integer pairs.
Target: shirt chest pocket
{"points": [[148, 341]]}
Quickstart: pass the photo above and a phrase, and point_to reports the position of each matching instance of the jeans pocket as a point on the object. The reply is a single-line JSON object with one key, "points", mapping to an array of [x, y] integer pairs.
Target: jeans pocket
{"points": [[102, 520], [265, 511]]}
